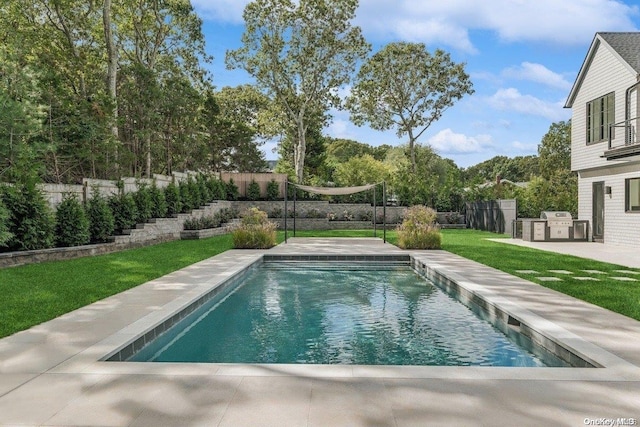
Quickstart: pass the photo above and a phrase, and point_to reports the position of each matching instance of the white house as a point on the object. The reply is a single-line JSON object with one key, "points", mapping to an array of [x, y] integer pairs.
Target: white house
{"points": [[605, 146]]}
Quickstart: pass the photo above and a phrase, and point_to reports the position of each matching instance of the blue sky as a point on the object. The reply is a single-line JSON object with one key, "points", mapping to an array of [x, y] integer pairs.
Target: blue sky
{"points": [[522, 56]]}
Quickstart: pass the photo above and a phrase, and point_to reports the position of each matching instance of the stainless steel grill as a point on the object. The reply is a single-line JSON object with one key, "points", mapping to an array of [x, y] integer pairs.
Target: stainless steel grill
{"points": [[559, 223]]}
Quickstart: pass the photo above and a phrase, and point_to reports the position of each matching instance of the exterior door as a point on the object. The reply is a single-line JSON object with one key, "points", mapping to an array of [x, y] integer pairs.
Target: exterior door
{"points": [[598, 211]]}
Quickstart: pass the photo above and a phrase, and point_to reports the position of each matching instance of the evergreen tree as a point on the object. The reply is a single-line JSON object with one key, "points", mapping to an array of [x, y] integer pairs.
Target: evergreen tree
{"points": [[72, 223], [172, 197], [253, 191], [5, 235], [30, 219], [101, 221], [159, 202]]}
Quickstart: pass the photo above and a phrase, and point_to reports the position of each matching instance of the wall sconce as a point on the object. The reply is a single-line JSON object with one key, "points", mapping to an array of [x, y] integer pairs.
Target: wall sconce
{"points": [[607, 190]]}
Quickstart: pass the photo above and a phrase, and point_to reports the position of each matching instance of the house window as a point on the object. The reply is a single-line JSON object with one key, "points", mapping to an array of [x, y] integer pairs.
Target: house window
{"points": [[632, 195], [600, 116]]}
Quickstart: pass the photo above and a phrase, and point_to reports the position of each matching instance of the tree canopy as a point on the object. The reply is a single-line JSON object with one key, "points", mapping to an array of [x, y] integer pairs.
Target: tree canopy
{"points": [[554, 150], [301, 53], [404, 86], [103, 89]]}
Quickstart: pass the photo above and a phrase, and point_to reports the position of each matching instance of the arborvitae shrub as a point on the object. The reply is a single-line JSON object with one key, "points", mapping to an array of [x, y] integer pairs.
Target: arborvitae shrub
{"points": [[232, 190], [101, 221], [159, 203], [5, 234], [196, 196], [186, 196], [144, 203], [253, 190], [203, 189], [222, 190], [30, 219], [72, 223], [217, 190], [124, 211], [172, 197], [273, 190]]}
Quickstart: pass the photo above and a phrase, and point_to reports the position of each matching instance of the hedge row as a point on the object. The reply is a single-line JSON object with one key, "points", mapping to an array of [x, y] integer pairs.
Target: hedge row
{"points": [[27, 222]]}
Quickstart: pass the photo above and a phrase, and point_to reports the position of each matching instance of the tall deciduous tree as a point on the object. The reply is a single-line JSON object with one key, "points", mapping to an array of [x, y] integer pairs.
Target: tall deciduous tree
{"points": [[164, 38], [554, 150], [420, 185], [246, 104], [300, 53], [405, 87], [228, 119], [361, 170], [112, 69]]}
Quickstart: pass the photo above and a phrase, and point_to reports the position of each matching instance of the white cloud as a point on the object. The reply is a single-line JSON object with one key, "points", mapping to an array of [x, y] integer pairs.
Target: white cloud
{"points": [[339, 128], [538, 73], [435, 31], [484, 125], [448, 23], [446, 142], [221, 10], [513, 101], [504, 123], [522, 146]]}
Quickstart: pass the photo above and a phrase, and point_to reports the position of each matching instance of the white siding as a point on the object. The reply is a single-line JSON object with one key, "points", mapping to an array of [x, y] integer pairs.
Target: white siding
{"points": [[620, 227], [605, 74]]}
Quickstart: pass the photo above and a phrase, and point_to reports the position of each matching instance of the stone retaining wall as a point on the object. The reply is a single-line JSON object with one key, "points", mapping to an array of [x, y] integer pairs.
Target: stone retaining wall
{"points": [[158, 230], [168, 228], [322, 208], [208, 232]]}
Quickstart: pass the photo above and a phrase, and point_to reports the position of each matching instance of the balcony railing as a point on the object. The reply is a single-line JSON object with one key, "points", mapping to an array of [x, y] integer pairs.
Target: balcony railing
{"points": [[627, 144]]}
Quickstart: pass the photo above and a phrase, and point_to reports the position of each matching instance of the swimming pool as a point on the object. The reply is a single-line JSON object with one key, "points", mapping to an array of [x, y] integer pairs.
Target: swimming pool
{"points": [[336, 313]]}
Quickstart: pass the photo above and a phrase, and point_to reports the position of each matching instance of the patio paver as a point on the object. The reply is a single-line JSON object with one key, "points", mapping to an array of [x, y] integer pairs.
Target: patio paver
{"points": [[51, 374], [549, 279]]}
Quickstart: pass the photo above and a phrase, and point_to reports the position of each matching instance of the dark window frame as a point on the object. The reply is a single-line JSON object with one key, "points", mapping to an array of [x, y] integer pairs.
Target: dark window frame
{"points": [[627, 193], [600, 116]]}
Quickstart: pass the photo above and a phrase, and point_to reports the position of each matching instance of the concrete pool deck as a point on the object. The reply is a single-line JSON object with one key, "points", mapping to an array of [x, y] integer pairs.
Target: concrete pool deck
{"points": [[51, 374], [614, 254]]}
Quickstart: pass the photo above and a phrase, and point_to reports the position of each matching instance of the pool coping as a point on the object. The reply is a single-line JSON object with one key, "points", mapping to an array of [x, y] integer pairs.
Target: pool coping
{"points": [[132, 338]]}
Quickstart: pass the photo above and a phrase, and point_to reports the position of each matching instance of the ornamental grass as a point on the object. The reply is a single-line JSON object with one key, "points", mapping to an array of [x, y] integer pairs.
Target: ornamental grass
{"points": [[255, 231], [419, 229]]}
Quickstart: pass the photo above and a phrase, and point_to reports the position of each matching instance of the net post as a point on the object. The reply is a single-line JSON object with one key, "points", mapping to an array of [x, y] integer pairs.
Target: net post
{"points": [[295, 196], [384, 211], [286, 191], [375, 232]]}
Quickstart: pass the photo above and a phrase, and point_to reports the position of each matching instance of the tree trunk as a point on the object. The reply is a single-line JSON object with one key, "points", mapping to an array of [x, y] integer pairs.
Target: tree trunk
{"points": [[412, 150], [112, 73], [148, 154], [300, 151]]}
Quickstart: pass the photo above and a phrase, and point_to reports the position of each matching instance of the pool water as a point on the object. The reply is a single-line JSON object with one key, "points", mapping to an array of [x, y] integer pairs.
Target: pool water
{"points": [[323, 313]]}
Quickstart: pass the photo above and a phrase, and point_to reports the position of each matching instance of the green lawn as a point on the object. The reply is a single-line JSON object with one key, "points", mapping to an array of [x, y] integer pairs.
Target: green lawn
{"points": [[36, 293], [618, 296]]}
